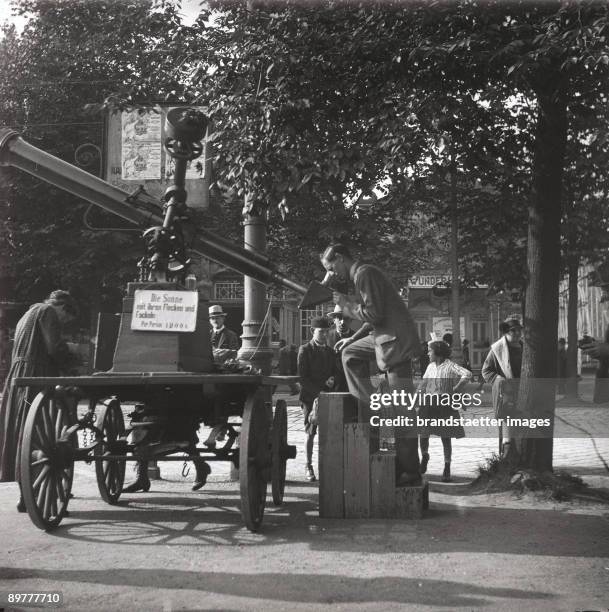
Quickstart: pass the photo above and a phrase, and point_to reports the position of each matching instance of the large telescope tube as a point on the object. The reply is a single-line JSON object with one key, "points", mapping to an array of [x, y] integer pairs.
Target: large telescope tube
{"points": [[139, 209]]}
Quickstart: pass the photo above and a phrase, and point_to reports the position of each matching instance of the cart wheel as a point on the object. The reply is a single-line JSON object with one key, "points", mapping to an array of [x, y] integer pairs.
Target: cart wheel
{"points": [[110, 473], [47, 459], [279, 442], [254, 460]]}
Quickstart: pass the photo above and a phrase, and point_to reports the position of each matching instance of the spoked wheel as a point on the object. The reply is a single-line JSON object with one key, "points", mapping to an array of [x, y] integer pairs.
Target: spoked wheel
{"points": [[47, 459], [279, 443], [111, 472], [254, 460]]}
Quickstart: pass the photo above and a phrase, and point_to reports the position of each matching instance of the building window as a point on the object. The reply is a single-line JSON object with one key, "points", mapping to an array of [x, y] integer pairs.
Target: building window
{"points": [[228, 290], [480, 334], [422, 330]]}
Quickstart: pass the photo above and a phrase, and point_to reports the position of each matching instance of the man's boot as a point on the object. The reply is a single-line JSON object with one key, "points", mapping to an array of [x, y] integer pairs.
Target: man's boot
{"points": [[142, 482], [203, 471]]}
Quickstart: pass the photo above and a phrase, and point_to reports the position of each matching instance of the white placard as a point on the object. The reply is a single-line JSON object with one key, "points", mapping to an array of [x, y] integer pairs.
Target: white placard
{"points": [[158, 310]]}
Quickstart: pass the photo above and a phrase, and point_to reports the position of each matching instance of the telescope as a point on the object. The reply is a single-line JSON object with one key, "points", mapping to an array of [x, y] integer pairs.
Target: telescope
{"points": [[143, 211]]}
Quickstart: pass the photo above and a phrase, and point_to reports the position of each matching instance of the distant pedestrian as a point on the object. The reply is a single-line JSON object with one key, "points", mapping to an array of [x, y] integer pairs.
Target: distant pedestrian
{"points": [[465, 352], [599, 351], [38, 350], [561, 366], [423, 358]]}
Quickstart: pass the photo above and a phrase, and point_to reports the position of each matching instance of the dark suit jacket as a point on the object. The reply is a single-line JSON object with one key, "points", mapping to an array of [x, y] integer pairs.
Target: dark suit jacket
{"points": [[227, 339], [315, 365], [379, 305]]}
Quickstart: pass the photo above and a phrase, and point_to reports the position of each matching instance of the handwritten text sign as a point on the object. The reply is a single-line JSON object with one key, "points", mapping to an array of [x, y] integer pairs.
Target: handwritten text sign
{"points": [[174, 311]]}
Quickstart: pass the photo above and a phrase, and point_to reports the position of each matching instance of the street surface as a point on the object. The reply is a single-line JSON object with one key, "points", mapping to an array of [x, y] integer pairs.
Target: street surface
{"points": [[174, 549]]}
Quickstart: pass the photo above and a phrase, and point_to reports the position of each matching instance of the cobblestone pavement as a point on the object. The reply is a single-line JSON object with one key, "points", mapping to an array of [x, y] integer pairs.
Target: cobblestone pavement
{"points": [[587, 453]]}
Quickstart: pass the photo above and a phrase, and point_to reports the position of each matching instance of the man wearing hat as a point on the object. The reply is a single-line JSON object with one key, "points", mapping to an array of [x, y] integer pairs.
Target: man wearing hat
{"points": [[316, 368], [340, 331], [225, 344], [221, 337]]}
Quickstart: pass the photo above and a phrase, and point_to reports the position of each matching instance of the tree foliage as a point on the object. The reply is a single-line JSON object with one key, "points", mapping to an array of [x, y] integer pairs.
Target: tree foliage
{"points": [[69, 57]]}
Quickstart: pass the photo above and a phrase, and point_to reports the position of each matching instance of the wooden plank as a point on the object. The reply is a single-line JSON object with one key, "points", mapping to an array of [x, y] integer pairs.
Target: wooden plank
{"points": [[382, 485], [140, 378], [335, 409], [411, 501], [357, 470]]}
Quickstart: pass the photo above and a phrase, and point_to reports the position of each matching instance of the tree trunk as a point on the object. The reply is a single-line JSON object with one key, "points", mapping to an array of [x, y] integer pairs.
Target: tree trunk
{"points": [[537, 389], [454, 264], [573, 297]]}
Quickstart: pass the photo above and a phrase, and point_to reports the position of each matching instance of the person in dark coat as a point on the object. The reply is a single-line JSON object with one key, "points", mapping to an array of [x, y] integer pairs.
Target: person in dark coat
{"points": [[465, 352], [225, 345], [317, 371], [38, 350], [599, 351], [423, 358], [388, 334], [561, 366], [340, 331], [224, 342]]}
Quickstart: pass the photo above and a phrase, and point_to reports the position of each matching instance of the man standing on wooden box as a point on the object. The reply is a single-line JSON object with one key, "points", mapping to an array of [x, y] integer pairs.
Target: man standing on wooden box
{"points": [[388, 334], [316, 369]]}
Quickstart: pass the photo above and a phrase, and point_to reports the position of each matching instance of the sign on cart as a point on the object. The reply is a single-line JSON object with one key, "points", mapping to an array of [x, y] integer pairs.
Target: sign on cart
{"points": [[173, 311]]}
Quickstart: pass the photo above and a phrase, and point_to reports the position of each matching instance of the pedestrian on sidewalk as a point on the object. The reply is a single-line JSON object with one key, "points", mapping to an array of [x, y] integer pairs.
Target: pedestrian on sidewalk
{"points": [[502, 370], [38, 350], [599, 351], [317, 371], [561, 366], [443, 377], [423, 358]]}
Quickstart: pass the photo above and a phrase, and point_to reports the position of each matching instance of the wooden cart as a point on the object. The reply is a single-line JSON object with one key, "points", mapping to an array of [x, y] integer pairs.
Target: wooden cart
{"points": [[51, 443]]}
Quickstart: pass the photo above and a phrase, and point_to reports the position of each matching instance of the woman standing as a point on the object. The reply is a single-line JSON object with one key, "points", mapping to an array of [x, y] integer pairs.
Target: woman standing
{"points": [[441, 377], [502, 370]]}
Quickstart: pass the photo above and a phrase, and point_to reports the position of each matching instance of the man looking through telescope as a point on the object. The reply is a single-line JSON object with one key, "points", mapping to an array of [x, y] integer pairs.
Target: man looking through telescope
{"points": [[388, 334]]}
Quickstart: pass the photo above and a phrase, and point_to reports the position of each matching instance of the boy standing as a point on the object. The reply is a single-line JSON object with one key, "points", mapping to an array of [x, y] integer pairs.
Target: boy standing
{"points": [[316, 368]]}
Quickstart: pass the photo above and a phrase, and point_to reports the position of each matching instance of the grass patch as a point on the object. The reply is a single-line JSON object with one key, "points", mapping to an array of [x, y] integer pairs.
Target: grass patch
{"points": [[499, 474]]}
